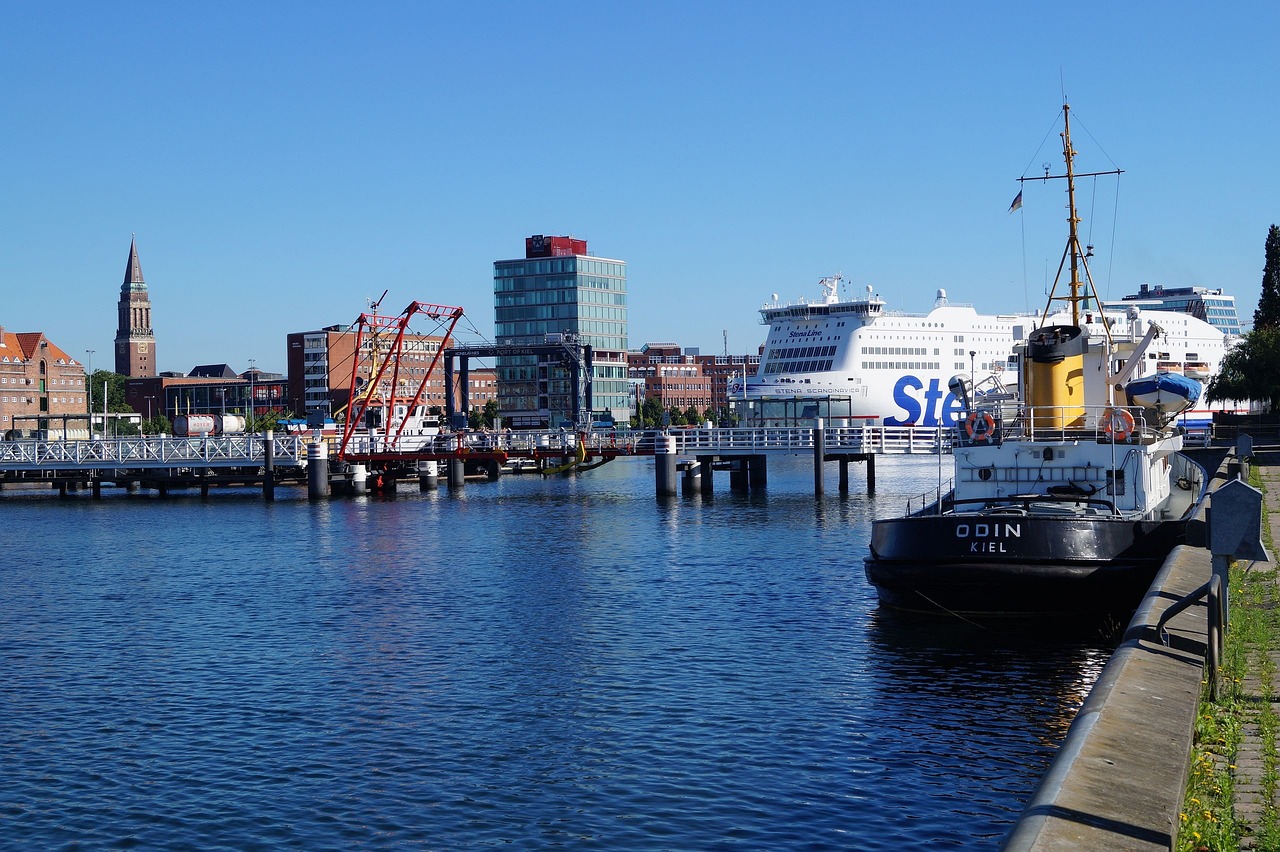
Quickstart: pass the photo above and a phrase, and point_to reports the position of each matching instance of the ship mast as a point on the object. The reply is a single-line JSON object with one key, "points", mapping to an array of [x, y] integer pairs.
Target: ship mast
{"points": [[1077, 291]]}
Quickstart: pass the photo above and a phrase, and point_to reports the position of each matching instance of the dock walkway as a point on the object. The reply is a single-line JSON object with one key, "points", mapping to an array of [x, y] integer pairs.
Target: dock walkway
{"points": [[1260, 684]]}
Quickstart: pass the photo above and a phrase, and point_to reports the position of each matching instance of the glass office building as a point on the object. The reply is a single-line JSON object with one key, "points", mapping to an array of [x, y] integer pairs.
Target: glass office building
{"points": [[1208, 304], [557, 292]]}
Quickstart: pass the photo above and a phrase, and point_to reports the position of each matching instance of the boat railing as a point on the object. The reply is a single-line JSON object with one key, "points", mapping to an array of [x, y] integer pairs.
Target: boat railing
{"points": [[934, 501], [1056, 424], [1029, 503]]}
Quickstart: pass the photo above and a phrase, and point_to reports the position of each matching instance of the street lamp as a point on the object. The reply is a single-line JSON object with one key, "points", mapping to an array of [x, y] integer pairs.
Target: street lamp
{"points": [[252, 361], [88, 381]]}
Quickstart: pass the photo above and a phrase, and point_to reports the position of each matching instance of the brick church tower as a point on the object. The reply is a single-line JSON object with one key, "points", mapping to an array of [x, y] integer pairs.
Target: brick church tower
{"points": [[135, 343]]}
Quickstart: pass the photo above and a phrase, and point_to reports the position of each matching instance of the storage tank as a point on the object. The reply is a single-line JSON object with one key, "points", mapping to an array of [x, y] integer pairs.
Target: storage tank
{"points": [[192, 425], [228, 424]]}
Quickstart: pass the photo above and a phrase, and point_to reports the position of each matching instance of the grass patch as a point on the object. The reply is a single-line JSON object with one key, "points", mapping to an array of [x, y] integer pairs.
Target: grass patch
{"points": [[1208, 819]]}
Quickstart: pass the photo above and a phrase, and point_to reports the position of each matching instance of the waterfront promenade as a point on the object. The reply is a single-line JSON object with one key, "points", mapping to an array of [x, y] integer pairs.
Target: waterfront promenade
{"points": [[1121, 775], [1260, 682]]}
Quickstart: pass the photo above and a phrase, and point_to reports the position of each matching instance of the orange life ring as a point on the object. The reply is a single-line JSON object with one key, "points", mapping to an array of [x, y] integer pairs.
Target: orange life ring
{"points": [[988, 430], [1118, 423]]}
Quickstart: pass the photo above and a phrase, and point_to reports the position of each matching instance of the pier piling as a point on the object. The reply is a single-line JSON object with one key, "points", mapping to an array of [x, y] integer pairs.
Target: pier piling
{"points": [[691, 481], [317, 470], [664, 462], [819, 452], [708, 481], [269, 466], [428, 475]]}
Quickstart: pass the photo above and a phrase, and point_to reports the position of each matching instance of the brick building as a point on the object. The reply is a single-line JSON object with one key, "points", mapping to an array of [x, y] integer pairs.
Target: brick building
{"points": [[679, 379], [209, 389], [42, 388], [674, 379], [320, 364]]}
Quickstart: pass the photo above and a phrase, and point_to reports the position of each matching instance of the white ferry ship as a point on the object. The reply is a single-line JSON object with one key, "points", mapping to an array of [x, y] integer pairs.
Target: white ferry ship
{"points": [[848, 359]]}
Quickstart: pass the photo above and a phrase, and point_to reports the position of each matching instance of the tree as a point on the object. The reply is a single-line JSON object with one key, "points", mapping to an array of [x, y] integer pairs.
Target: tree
{"points": [[259, 423], [115, 391], [728, 417], [1268, 313], [651, 413], [157, 425], [1251, 370]]}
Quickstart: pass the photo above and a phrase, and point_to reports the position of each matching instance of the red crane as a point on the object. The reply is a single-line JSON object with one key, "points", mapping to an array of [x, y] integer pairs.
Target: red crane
{"points": [[398, 409]]}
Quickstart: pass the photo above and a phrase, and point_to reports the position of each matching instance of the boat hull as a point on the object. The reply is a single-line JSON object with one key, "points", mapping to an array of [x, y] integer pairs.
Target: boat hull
{"points": [[1017, 565]]}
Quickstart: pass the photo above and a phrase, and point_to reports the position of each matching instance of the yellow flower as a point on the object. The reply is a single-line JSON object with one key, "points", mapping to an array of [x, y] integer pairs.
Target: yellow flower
{"points": [[1182, 817]]}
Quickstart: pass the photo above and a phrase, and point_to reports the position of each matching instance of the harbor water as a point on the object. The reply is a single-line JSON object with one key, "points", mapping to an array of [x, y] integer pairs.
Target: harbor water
{"points": [[537, 663]]}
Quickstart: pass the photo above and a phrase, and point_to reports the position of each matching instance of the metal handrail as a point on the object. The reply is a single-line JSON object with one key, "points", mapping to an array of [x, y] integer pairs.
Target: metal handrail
{"points": [[150, 451]]}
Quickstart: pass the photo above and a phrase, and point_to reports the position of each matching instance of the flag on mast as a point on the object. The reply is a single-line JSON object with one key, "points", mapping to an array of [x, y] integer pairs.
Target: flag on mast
{"points": [[1017, 202]]}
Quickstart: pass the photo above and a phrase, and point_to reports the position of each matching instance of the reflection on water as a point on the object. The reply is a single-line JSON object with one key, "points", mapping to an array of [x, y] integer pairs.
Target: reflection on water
{"points": [[533, 662]]}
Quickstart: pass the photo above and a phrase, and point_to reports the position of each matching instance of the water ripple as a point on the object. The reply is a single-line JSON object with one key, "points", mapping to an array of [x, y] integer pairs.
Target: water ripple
{"points": [[546, 663]]}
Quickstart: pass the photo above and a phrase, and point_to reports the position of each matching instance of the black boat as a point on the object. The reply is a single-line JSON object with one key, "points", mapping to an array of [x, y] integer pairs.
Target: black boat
{"points": [[1064, 500]]}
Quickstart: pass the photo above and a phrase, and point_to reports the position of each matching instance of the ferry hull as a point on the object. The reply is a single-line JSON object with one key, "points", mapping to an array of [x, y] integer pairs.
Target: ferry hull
{"points": [[996, 565]]}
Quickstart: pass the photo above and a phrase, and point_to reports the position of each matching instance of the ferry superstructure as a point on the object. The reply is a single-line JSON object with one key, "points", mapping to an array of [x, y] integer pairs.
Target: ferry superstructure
{"points": [[850, 358]]}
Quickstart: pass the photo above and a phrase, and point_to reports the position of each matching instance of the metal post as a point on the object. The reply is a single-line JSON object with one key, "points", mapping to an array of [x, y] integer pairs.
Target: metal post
{"points": [[249, 413], [708, 482], [88, 383], [819, 450], [317, 470], [428, 471], [269, 466], [664, 462], [1217, 630]]}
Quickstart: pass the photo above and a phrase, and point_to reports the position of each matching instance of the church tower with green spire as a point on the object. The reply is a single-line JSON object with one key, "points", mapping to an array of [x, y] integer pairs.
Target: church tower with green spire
{"points": [[135, 342]]}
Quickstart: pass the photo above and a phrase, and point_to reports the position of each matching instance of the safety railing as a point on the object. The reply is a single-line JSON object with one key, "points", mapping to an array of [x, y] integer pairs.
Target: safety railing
{"points": [[150, 451], [1055, 424]]}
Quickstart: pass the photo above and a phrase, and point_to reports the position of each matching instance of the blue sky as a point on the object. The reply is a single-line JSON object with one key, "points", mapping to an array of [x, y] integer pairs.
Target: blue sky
{"points": [[281, 163]]}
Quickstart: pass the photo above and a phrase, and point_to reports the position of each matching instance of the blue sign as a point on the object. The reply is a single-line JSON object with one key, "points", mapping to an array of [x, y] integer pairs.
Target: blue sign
{"points": [[939, 407]]}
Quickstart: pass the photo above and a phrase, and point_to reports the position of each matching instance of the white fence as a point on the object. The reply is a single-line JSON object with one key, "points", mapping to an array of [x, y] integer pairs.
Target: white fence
{"points": [[889, 440], [151, 451], [165, 451]]}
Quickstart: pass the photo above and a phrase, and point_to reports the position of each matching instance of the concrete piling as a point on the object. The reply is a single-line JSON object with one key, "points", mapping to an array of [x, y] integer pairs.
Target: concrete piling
{"points": [[269, 466], [428, 475], [819, 451], [664, 460], [317, 470]]}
